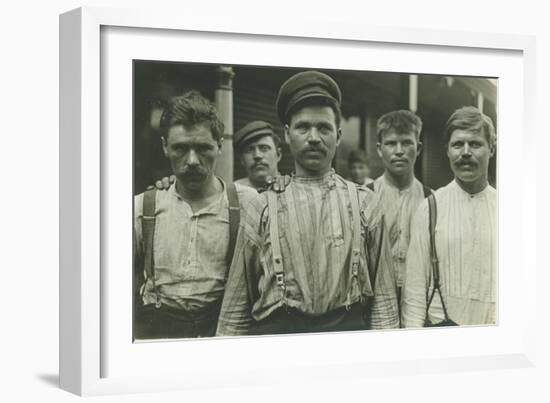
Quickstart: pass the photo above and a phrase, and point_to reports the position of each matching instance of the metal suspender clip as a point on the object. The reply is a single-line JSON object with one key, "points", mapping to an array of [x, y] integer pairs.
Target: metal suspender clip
{"points": [[280, 277], [355, 270]]}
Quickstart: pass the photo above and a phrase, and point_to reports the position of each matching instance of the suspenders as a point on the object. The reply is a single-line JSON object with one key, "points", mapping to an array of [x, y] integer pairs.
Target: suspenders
{"points": [[355, 243], [432, 211], [234, 219], [275, 243], [148, 231]]}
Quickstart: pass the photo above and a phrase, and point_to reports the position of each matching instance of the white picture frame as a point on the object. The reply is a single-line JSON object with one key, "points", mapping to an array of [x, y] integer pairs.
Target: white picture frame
{"points": [[85, 185]]}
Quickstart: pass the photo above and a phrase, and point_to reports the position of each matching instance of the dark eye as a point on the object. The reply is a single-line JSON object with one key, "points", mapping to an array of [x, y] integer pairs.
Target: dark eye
{"points": [[181, 148], [203, 148], [326, 129], [301, 127], [265, 148], [457, 144]]}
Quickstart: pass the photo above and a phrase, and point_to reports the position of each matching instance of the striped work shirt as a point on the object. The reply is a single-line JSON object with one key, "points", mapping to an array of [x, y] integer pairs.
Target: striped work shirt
{"points": [[190, 248], [466, 242], [315, 231], [399, 207]]}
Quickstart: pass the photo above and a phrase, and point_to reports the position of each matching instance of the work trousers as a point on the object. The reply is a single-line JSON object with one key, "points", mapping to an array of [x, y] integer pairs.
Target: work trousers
{"points": [[166, 322], [286, 320]]}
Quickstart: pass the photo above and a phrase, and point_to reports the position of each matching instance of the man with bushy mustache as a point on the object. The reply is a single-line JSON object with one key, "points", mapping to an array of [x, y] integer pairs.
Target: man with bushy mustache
{"points": [[183, 236], [313, 257], [465, 238], [259, 151]]}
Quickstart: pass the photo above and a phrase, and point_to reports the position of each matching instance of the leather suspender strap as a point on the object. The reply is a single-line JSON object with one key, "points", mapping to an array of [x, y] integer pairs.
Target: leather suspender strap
{"points": [[427, 191], [356, 238], [148, 232], [374, 270], [275, 242], [234, 220], [432, 208]]}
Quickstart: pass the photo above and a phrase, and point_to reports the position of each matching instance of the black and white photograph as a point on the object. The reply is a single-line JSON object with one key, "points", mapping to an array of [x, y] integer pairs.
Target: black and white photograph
{"points": [[275, 200]]}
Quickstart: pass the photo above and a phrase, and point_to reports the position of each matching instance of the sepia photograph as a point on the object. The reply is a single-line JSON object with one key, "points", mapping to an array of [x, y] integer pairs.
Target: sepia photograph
{"points": [[318, 203], [277, 200]]}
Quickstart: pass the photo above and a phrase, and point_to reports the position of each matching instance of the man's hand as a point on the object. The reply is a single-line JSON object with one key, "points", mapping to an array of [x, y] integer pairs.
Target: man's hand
{"points": [[164, 183], [277, 183]]}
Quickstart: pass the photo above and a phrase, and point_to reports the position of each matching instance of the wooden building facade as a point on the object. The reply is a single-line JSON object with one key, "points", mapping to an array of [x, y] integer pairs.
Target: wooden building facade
{"points": [[245, 93]]}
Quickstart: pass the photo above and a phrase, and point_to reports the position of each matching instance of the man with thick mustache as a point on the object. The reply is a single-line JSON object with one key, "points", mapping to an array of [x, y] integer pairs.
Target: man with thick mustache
{"points": [[259, 150], [400, 192], [465, 234], [313, 257], [183, 235]]}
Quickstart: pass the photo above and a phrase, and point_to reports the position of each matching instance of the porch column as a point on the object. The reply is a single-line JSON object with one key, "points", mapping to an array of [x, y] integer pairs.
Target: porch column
{"points": [[480, 100], [223, 98], [413, 92]]}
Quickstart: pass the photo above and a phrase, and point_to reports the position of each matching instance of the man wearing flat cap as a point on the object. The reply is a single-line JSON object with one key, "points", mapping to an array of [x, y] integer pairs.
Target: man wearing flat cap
{"points": [[313, 258], [259, 151]]}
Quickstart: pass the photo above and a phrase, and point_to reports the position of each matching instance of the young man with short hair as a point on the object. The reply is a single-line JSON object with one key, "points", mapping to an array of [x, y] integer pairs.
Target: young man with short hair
{"points": [[400, 192]]}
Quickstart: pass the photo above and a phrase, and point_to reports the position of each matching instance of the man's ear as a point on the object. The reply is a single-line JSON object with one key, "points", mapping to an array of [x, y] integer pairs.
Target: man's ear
{"points": [[379, 149], [419, 148], [338, 136], [279, 154], [164, 146], [287, 132], [220, 144]]}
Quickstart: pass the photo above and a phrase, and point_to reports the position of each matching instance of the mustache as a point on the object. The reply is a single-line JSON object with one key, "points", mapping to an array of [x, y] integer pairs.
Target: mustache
{"points": [[466, 161], [259, 164], [195, 171], [316, 149]]}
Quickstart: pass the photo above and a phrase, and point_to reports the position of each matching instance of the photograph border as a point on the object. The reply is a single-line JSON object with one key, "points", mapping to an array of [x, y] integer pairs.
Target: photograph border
{"points": [[81, 168]]}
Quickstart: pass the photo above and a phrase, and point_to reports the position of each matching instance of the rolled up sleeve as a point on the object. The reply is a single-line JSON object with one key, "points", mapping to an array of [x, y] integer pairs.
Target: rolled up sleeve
{"points": [[236, 311]]}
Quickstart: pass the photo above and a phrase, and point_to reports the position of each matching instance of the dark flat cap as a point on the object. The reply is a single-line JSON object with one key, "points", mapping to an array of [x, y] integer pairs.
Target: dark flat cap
{"points": [[304, 85], [252, 130]]}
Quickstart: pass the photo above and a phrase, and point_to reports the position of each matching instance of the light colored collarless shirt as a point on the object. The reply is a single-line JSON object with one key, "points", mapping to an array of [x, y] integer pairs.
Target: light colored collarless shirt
{"points": [[245, 182], [399, 206], [315, 230], [190, 248], [466, 242]]}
